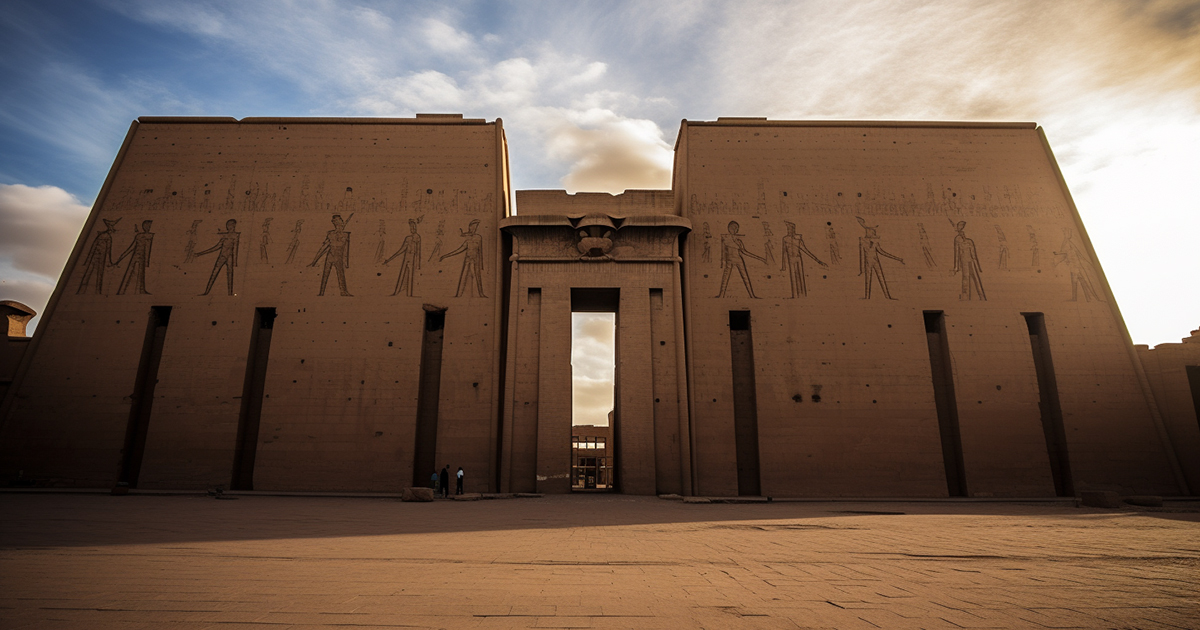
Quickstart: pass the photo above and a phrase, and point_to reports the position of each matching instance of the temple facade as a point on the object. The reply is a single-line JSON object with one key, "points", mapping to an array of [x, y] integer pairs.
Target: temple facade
{"points": [[814, 309]]}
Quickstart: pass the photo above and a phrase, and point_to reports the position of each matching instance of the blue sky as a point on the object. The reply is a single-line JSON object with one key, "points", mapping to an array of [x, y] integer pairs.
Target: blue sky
{"points": [[592, 93]]}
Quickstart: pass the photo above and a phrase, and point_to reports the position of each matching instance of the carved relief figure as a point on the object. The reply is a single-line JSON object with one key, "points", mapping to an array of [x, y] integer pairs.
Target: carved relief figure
{"points": [[706, 255], [1033, 247], [869, 264], [189, 250], [264, 239], [411, 261], [966, 262], [835, 255], [1003, 264], [1079, 265], [295, 244], [733, 252], [227, 255], [926, 249], [793, 252], [437, 238], [139, 258], [99, 257], [381, 248], [472, 251], [336, 252], [768, 247]]}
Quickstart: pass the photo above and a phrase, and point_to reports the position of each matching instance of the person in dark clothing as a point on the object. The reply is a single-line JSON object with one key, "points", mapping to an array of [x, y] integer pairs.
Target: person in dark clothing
{"points": [[444, 479], [458, 481]]}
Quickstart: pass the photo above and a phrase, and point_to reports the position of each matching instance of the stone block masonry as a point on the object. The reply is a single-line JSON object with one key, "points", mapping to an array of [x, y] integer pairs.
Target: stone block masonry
{"points": [[814, 309]]}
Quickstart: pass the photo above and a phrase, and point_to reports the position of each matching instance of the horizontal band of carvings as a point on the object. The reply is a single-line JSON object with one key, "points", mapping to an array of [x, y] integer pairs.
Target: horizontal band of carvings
{"points": [[662, 259], [573, 220]]}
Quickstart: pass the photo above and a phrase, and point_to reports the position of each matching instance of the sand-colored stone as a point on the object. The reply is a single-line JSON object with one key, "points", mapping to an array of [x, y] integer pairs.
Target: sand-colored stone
{"points": [[772, 313], [1173, 370]]}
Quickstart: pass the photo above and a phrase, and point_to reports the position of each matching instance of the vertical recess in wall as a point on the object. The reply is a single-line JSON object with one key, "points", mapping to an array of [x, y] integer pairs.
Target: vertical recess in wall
{"points": [[1193, 375], [947, 406], [745, 406], [665, 386], [522, 456], [252, 399], [1052, 419], [428, 392], [143, 394]]}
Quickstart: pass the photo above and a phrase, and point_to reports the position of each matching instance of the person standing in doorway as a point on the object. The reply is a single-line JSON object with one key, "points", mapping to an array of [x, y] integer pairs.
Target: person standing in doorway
{"points": [[445, 481], [459, 482], [433, 482]]}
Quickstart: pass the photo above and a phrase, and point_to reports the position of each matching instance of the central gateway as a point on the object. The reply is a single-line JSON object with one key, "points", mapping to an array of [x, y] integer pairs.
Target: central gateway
{"points": [[596, 253]]}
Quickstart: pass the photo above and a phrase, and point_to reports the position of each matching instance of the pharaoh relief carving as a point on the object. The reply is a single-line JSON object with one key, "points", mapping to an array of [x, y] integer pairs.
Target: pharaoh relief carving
{"points": [[733, 253], [472, 267], [227, 255], [138, 253], [99, 258], [966, 263], [1079, 266], [793, 251], [410, 260], [335, 251], [869, 264]]}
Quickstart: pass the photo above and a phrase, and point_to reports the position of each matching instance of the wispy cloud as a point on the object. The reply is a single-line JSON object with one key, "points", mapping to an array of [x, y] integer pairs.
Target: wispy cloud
{"points": [[591, 93], [38, 228]]}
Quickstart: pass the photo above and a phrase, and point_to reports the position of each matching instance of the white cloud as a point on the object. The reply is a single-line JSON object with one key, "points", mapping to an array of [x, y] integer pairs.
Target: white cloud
{"points": [[593, 368], [38, 228]]}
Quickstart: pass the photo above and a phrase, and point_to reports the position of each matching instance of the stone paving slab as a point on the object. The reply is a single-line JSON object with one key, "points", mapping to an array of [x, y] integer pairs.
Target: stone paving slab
{"points": [[595, 561]]}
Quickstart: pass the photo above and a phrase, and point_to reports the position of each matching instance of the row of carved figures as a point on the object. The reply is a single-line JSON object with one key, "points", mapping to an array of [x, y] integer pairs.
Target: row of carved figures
{"points": [[334, 255], [871, 254]]}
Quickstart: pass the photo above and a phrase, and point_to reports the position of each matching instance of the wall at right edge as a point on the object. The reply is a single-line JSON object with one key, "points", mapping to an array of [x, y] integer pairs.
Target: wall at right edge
{"points": [[846, 236], [1174, 373]]}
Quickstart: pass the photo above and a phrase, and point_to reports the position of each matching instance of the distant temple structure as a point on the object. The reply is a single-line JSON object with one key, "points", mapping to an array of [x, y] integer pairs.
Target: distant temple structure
{"points": [[814, 309]]}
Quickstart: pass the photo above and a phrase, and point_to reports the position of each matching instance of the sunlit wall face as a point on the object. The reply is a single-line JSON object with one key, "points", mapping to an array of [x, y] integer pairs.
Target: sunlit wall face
{"points": [[593, 367]]}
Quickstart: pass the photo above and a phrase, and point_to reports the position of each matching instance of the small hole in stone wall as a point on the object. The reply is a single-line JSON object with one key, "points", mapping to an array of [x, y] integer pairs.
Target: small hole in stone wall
{"points": [[829, 223], [379, 274], [662, 343], [378, 433], [474, 384], [214, 323], [824, 277], [839, 194], [797, 398], [714, 400], [918, 277], [301, 361], [173, 193], [389, 344], [997, 388], [816, 398], [859, 194], [428, 191], [657, 400], [889, 325], [874, 401]]}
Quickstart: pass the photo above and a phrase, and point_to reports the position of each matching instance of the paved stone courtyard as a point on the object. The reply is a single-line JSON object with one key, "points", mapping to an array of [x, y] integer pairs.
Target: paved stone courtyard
{"points": [[598, 561]]}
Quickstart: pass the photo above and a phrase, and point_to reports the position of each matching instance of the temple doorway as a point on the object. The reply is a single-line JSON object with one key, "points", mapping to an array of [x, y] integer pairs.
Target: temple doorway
{"points": [[593, 389]]}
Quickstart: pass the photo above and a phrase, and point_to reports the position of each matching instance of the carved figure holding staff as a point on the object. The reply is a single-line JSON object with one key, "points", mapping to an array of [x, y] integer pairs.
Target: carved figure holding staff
{"points": [[733, 252]]}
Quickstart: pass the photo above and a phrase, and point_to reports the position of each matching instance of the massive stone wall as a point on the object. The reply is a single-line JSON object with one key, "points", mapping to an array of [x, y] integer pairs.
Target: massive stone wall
{"points": [[839, 239], [814, 309], [1174, 373], [352, 231]]}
